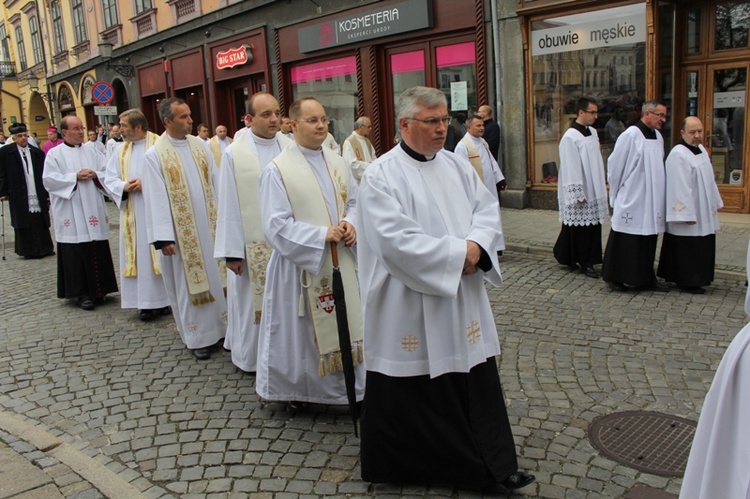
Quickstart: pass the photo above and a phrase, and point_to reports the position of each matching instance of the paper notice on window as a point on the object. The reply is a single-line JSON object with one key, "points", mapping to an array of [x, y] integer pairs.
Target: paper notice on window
{"points": [[459, 96]]}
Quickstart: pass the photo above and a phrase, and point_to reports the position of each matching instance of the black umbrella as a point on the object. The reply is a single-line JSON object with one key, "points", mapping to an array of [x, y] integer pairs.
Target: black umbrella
{"points": [[345, 342]]}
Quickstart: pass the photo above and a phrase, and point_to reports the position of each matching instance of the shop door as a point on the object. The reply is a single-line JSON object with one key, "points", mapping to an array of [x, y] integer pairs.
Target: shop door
{"points": [[717, 93]]}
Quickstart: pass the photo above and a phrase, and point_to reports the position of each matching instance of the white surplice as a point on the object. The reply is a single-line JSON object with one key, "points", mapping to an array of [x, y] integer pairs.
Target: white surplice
{"points": [[331, 144], [204, 325], [581, 176], [491, 175], [692, 195], [112, 147], [719, 461], [146, 289], [421, 314], [357, 165], [287, 351], [637, 183], [77, 206], [242, 332]]}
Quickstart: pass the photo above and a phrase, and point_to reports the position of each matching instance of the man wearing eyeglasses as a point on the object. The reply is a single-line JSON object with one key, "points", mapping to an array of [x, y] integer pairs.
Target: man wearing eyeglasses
{"points": [[358, 150], [581, 193], [434, 410], [239, 232], [308, 202], [637, 190]]}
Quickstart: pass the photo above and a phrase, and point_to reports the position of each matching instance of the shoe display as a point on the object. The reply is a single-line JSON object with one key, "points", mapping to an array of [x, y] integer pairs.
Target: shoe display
{"points": [[201, 353]]}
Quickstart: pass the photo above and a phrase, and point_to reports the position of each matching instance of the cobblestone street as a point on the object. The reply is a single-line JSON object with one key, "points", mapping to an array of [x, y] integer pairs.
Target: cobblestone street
{"points": [[130, 395]]}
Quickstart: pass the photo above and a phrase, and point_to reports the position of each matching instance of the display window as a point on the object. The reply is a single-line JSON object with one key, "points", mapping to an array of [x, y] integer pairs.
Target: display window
{"points": [[597, 54], [334, 84]]}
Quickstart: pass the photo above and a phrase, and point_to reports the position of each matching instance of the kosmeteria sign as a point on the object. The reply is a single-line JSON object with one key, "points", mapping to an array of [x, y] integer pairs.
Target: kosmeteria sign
{"points": [[606, 33], [368, 25]]}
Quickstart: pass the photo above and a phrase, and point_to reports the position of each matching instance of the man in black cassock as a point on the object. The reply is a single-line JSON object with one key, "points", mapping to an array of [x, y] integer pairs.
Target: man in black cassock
{"points": [[491, 130], [21, 185]]}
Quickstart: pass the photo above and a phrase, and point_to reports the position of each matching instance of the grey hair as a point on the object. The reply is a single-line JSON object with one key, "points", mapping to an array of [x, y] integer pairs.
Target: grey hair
{"points": [[411, 98], [651, 105], [360, 122], [165, 107]]}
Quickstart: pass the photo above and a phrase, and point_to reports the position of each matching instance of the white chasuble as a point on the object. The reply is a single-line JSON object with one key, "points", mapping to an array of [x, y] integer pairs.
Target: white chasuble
{"points": [[470, 146], [77, 206], [238, 201], [421, 314], [692, 195], [145, 288], [637, 183], [199, 326], [581, 177], [288, 354]]}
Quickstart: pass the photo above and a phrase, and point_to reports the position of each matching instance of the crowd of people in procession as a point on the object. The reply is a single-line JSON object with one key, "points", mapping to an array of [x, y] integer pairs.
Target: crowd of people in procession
{"points": [[243, 239]]}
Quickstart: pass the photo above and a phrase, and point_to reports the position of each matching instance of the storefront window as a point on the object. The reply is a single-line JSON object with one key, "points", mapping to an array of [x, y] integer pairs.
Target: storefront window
{"points": [[599, 54], [457, 75], [732, 24], [334, 84], [407, 70]]}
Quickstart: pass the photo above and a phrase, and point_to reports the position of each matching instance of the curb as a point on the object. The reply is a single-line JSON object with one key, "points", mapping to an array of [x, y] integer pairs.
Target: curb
{"points": [[109, 483]]}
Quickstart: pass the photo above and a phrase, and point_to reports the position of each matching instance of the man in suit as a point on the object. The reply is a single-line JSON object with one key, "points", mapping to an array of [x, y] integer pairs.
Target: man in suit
{"points": [[21, 185]]}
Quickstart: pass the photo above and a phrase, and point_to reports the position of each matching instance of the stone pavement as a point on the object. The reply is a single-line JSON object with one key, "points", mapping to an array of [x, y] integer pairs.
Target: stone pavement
{"points": [[104, 405]]}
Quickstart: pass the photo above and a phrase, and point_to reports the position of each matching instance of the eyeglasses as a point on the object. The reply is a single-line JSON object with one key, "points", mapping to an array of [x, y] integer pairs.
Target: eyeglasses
{"points": [[445, 120], [315, 121], [660, 115]]}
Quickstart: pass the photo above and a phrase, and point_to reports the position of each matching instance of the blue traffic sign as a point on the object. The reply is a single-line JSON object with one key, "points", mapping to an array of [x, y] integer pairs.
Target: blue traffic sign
{"points": [[102, 93]]}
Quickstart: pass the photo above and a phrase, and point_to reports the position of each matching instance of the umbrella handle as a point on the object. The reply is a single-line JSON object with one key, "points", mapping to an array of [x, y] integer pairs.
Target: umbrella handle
{"points": [[335, 254]]}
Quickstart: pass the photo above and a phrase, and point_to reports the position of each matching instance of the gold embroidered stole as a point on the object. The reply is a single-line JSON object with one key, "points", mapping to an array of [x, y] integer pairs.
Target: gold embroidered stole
{"points": [[474, 158], [356, 146], [215, 146], [247, 170], [309, 206], [183, 217], [128, 214]]}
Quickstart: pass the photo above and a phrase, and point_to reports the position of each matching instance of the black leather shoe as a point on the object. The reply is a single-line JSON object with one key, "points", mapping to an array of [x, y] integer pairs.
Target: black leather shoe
{"points": [[590, 272], [617, 286], [295, 406], [657, 287], [86, 303], [518, 480], [164, 311], [146, 314], [696, 290], [201, 353]]}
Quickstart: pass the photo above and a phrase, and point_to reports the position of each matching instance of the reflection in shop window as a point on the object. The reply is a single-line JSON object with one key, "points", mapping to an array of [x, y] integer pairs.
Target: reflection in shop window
{"points": [[456, 66], [732, 24], [600, 55], [333, 83]]}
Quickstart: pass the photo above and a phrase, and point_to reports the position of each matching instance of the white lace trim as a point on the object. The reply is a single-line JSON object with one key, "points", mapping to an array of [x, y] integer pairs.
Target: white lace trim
{"points": [[34, 204], [590, 213]]}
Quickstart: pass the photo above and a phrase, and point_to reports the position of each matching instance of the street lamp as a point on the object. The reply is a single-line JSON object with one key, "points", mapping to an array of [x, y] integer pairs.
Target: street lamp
{"points": [[105, 50], [34, 87]]}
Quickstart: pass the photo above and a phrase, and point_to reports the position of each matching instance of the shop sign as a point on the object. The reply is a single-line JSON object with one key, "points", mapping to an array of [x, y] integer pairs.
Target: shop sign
{"points": [[624, 30], [234, 57], [731, 99], [368, 25]]}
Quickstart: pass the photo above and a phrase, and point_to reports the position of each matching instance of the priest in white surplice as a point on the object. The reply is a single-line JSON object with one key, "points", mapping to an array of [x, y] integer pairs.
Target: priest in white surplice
{"points": [[719, 461], [307, 201], [637, 196], [73, 176], [219, 143], [433, 410], [181, 222], [140, 267], [688, 251], [357, 149], [239, 231], [475, 149], [581, 193]]}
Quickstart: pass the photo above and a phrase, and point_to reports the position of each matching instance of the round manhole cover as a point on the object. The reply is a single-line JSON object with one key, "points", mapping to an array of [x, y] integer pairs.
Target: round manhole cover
{"points": [[647, 441]]}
